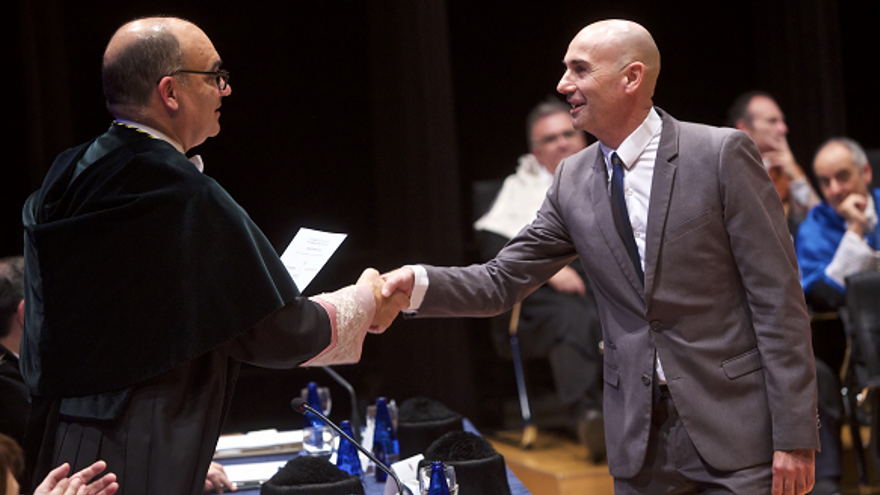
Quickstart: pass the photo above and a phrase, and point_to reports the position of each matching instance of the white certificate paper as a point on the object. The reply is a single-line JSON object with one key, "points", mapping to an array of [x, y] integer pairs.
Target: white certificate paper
{"points": [[308, 252]]}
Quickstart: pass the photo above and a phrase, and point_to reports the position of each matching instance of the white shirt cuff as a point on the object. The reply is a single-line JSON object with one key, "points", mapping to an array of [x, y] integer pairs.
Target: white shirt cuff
{"points": [[800, 190], [419, 288], [853, 256]]}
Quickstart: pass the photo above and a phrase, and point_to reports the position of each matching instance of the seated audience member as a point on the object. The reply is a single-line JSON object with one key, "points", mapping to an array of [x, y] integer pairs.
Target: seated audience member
{"points": [[559, 320], [757, 114], [57, 482], [14, 404], [837, 239]]}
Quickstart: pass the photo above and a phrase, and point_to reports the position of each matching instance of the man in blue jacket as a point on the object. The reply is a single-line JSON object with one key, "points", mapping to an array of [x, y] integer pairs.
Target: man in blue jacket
{"points": [[838, 239]]}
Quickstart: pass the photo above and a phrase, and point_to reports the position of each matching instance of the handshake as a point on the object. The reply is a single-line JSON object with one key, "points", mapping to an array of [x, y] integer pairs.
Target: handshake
{"points": [[391, 291]]}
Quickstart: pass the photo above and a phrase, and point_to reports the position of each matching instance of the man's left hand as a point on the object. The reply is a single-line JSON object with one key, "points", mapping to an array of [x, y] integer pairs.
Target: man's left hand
{"points": [[793, 471], [217, 480], [567, 281]]}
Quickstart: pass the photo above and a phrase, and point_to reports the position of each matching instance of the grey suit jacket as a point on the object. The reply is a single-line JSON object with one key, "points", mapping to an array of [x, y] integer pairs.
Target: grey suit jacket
{"points": [[721, 304]]}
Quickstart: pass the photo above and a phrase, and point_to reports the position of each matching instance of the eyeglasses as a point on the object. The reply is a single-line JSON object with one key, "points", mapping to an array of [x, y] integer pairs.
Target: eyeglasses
{"points": [[553, 137], [221, 75]]}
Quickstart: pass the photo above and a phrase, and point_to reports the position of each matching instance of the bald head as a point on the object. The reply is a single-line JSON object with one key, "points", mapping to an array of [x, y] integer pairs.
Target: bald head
{"points": [[138, 55], [611, 72], [164, 73], [624, 42]]}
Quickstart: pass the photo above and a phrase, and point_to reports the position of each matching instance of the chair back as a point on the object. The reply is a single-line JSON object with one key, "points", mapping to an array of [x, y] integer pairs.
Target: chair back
{"points": [[484, 193], [863, 318]]}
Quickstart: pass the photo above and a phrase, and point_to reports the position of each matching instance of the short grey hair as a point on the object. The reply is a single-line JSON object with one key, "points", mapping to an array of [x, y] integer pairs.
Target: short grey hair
{"points": [[132, 76], [856, 152], [550, 106]]}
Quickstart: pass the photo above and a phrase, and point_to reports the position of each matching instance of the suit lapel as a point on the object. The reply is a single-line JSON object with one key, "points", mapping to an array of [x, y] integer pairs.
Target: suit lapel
{"points": [[598, 186], [661, 194]]}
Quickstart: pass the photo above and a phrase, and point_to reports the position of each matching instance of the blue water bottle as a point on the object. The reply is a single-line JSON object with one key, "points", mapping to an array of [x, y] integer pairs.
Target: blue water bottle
{"points": [[347, 455], [314, 400], [439, 485], [385, 446]]}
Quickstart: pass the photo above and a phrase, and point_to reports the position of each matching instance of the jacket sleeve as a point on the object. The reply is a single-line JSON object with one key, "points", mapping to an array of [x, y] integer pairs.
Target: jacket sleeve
{"points": [[765, 258]]}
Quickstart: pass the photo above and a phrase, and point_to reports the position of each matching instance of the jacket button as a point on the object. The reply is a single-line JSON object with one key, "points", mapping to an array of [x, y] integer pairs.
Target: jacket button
{"points": [[656, 325], [646, 380]]}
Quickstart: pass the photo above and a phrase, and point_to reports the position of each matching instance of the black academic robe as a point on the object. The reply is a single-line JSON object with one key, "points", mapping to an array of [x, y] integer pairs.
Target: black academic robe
{"points": [[145, 286], [14, 405]]}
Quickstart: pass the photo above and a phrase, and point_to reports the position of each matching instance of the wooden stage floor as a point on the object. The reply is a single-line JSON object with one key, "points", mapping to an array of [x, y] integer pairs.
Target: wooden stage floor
{"points": [[557, 465]]}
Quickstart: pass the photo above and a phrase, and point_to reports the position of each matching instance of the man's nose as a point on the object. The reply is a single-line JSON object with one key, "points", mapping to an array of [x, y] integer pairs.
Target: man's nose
{"points": [[227, 90], [834, 188], [565, 86]]}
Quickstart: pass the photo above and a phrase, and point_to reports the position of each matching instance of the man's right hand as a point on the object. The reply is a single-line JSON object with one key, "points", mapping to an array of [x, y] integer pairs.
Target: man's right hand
{"points": [[387, 307], [852, 209], [403, 280], [567, 281], [782, 157]]}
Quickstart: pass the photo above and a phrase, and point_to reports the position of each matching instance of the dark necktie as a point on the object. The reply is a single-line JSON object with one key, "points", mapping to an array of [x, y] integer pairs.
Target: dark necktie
{"points": [[621, 215]]}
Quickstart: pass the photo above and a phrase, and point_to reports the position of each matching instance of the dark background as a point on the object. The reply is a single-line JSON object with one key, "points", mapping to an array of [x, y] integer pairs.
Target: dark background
{"points": [[374, 118]]}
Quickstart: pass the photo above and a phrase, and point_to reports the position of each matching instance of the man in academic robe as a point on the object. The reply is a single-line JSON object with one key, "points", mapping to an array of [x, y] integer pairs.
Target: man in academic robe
{"points": [[708, 366], [147, 285]]}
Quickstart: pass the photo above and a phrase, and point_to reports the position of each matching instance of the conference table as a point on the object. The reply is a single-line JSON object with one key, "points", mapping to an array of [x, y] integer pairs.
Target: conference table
{"points": [[371, 486]]}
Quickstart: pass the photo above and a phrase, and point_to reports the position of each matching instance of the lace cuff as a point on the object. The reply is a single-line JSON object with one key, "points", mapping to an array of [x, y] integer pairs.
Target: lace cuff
{"points": [[351, 310]]}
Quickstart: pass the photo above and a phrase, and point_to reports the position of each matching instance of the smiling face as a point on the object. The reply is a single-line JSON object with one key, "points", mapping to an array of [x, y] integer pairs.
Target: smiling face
{"points": [[200, 98], [591, 83], [611, 69]]}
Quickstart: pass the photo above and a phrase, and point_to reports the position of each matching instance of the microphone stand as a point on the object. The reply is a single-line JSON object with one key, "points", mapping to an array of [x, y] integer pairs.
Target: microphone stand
{"points": [[355, 417], [301, 406]]}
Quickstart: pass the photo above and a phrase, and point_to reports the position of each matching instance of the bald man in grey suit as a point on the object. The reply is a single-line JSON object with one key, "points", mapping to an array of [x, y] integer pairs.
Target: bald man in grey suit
{"points": [[709, 373]]}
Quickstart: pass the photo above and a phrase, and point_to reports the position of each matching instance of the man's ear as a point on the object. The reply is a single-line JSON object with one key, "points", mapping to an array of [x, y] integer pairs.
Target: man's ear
{"points": [[634, 75], [19, 313], [168, 93], [741, 125]]}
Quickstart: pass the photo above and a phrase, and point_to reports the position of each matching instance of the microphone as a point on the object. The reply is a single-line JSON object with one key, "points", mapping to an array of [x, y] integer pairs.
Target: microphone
{"points": [[301, 406]]}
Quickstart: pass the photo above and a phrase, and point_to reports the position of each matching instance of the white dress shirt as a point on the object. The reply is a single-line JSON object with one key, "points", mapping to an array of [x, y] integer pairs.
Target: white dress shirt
{"points": [[638, 152]]}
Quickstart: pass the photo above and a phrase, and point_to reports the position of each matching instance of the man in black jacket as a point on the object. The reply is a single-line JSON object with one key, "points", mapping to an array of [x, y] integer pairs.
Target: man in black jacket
{"points": [[14, 405]]}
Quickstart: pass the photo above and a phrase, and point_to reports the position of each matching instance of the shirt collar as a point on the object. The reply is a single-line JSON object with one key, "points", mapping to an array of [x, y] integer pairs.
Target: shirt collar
{"points": [[633, 146], [195, 160]]}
